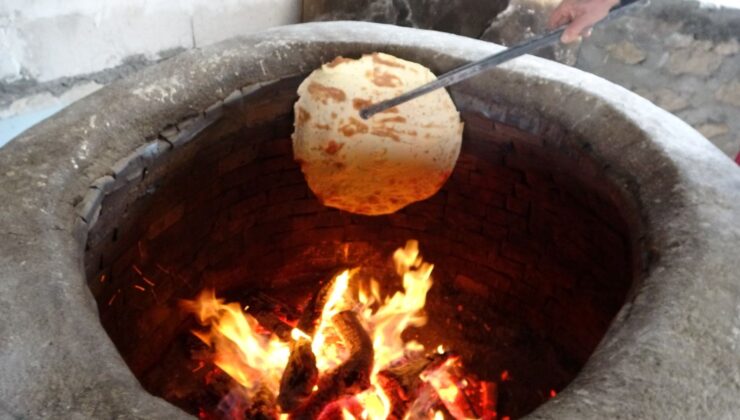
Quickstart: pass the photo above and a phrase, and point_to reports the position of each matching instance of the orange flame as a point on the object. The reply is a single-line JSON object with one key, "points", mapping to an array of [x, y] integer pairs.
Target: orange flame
{"points": [[252, 358], [386, 324], [326, 345], [239, 350]]}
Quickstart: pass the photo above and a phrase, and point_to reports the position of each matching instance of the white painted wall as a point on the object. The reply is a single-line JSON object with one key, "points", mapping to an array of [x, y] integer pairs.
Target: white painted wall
{"points": [[44, 40]]}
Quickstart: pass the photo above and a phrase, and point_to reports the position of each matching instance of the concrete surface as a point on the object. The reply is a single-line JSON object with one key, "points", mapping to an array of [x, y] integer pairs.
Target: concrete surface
{"points": [[672, 352]]}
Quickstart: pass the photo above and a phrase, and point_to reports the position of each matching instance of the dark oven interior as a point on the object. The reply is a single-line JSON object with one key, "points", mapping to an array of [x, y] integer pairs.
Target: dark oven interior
{"points": [[534, 249]]}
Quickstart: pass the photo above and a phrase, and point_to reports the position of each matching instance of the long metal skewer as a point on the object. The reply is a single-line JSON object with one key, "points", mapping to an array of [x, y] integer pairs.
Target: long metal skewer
{"points": [[472, 69]]}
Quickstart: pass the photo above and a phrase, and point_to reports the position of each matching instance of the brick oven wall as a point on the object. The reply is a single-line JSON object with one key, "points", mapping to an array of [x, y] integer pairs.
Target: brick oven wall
{"points": [[525, 221]]}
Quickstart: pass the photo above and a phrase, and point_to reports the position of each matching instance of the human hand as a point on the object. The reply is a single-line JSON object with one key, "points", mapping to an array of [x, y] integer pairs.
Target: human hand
{"points": [[580, 15]]}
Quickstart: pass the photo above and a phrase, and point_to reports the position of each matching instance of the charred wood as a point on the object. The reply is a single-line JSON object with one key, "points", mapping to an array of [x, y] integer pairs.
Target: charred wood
{"points": [[301, 374], [402, 383], [299, 377], [351, 377]]}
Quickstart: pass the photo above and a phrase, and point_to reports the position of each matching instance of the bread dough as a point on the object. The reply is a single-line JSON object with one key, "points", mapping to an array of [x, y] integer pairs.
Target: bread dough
{"points": [[380, 165]]}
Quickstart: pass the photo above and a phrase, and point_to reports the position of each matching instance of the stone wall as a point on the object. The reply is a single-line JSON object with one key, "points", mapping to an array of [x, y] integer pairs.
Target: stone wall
{"points": [[684, 55]]}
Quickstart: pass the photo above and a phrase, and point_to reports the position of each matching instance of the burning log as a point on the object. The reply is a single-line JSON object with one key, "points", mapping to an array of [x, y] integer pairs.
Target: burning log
{"points": [[273, 324], [262, 406], [236, 402], [272, 314], [301, 374], [462, 394], [311, 315], [351, 377], [427, 401], [402, 383], [299, 377]]}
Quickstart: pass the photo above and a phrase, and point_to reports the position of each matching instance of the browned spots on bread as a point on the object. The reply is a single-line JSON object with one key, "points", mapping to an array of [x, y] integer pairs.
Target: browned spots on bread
{"points": [[386, 132], [359, 103], [377, 59], [337, 61], [397, 119], [353, 127], [333, 147], [324, 93], [384, 79], [303, 115]]}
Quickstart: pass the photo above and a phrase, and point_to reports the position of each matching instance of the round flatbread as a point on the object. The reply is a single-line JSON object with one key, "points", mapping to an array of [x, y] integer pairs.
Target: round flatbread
{"points": [[380, 165]]}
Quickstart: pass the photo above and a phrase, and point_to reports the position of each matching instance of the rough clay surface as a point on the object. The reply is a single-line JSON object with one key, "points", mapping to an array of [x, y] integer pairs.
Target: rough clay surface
{"points": [[672, 352], [679, 54], [382, 164]]}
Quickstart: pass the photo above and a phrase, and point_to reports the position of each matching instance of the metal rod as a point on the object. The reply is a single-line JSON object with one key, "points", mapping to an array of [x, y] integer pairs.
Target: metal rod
{"points": [[472, 69]]}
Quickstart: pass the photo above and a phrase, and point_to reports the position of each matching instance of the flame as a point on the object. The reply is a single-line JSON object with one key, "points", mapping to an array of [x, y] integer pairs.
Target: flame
{"points": [[375, 404], [326, 345], [391, 318], [400, 311], [254, 359], [347, 415], [248, 357], [450, 388], [444, 382]]}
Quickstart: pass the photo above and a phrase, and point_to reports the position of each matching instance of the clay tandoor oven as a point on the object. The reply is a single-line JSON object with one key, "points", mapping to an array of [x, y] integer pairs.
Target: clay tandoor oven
{"points": [[583, 245]]}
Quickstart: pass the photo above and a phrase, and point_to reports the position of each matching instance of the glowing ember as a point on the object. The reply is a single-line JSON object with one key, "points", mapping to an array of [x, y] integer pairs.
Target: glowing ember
{"points": [[357, 329]]}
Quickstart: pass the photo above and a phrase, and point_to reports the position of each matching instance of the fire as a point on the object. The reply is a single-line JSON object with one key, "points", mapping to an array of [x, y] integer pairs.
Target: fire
{"points": [[248, 357], [448, 389], [329, 354], [399, 312], [257, 361]]}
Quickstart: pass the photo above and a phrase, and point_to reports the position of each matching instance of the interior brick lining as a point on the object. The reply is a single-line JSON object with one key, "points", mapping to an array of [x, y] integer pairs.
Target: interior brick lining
{"points": [[527, 223]]}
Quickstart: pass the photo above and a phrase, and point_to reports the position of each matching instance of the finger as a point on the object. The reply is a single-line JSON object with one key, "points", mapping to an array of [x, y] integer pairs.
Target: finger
{"points": [[559, 17], [569, 37], [575, 29]]}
